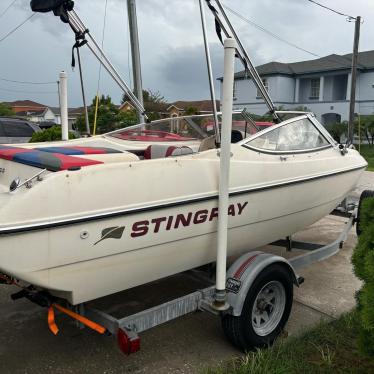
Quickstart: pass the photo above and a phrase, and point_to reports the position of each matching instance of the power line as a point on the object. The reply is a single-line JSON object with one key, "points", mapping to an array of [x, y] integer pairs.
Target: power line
{"points": [[261, 28], [28, 92], [17, 27], [7, 8], [332, 10], [269, 32], [25, 82]]}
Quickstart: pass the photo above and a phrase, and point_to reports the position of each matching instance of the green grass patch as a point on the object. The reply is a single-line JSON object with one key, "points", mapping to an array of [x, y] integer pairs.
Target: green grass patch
{"points": [[367, 152], [329, 348]]}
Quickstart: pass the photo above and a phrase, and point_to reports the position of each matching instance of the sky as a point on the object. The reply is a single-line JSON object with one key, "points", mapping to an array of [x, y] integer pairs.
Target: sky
{"points": [[172, 53]]}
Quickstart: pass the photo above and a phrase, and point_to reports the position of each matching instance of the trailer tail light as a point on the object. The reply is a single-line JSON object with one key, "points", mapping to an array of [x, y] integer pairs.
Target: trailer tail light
{"points": [[128, 342]]}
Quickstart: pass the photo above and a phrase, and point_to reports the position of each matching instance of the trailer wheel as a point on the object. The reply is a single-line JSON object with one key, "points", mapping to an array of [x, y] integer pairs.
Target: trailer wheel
{"points": [[365, 194], [265, 311]]}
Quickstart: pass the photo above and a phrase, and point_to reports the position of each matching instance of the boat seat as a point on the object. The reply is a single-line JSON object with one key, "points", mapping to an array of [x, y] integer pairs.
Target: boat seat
{"points": [[154, 151], [44, 160]]}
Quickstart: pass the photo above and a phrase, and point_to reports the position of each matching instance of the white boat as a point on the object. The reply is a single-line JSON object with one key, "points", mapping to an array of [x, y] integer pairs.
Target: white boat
{"points": [[83, 222], [90, 217]]}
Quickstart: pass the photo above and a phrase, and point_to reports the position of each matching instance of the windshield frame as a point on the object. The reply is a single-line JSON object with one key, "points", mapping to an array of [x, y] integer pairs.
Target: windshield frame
{"points": [[155, 122]]}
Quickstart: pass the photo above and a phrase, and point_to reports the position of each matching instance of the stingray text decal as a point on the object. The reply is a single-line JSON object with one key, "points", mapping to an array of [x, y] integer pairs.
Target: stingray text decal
{"points": [[167, 223]]}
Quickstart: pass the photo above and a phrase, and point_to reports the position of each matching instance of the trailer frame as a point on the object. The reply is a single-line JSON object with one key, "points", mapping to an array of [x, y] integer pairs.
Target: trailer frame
{"points": [[127, 329]]}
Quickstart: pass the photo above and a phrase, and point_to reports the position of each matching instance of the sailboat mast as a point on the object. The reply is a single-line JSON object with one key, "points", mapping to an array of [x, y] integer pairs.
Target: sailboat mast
{"points": [[135, 53]]}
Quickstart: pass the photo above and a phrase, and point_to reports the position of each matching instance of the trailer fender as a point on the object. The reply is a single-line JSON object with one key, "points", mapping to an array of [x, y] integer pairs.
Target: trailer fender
{"points": [[243, 272]]}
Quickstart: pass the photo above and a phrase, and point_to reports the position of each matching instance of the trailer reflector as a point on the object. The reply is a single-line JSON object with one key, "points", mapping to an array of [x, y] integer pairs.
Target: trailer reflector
{"points": [[128, 342]]}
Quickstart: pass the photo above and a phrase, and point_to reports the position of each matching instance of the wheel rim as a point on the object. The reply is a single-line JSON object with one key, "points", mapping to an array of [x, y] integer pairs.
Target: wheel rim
{"points": [[268, 308]]}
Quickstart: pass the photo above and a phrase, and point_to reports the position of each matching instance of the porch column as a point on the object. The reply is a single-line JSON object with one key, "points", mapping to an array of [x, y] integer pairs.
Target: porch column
{"points": [[321, 87], [297, 90], [349, 81]]}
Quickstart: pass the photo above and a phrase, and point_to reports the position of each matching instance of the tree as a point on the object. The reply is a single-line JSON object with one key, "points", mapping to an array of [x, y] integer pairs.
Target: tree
{"points": [[109, 117], [301, 108], [337, 130], [366, 128], [370, 132], [6, 110], [154, 103], [190, 110], [149, 96], [49, 135]]}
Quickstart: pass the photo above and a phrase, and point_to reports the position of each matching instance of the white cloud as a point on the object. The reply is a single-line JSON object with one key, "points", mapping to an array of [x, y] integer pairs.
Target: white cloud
{"points": [[171, 42]]}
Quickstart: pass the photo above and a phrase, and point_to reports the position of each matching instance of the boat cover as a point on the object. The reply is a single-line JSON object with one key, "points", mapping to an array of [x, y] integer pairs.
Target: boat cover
{"points": [[76, 151], [44, 160]]}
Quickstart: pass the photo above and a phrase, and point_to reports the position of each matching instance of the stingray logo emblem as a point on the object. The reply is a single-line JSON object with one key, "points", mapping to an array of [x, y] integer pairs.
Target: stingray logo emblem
{"points": [[111, 233]]}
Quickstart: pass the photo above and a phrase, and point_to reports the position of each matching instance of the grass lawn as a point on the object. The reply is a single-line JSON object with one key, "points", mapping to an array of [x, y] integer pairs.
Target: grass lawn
{"points": [[367, 151], [329, 348]]}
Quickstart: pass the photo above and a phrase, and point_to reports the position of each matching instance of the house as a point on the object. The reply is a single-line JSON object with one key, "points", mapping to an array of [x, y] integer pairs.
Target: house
{"points": [[40, 113], [33, 111], [126, 107], [176, 109], [73, 114], [322, 85], [22, 106]]}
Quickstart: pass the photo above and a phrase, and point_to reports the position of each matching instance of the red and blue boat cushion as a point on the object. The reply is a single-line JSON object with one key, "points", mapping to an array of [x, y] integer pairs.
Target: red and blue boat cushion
{"points": [[53, 158], [76, 151]]}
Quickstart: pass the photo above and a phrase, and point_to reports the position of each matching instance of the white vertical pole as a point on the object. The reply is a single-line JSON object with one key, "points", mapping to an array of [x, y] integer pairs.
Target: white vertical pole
{"points": [[64, 106], [224, 178]]}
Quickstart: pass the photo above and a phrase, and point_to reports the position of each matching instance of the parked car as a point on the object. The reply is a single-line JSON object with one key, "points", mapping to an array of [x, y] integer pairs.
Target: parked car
{"points": [[16, 130]]}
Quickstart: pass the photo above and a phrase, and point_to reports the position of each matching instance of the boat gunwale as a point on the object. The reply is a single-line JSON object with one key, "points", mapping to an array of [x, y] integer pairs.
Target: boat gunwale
{"points": [[136, 210]]}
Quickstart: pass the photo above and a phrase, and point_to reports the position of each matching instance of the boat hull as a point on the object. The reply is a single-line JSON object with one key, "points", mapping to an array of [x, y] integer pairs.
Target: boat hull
{"points": [[90, 259]]}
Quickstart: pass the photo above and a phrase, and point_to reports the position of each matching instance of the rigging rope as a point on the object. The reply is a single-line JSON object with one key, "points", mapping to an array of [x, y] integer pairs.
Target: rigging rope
{"points": [[332, 10], [263, 29], [99, 78], [7, 8], [16, 28]]}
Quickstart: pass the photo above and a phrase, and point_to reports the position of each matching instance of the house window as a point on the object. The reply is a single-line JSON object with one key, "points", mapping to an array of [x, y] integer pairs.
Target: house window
{"points": [[314, 88], [266, 84]]}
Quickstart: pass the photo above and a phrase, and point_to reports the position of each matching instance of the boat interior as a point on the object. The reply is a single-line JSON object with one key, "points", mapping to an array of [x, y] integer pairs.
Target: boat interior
{"points": [[170, 137]]}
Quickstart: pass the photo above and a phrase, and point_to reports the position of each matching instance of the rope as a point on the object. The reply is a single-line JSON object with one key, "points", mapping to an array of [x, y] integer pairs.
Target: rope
{"points": [[17, 27], [99, 78]]}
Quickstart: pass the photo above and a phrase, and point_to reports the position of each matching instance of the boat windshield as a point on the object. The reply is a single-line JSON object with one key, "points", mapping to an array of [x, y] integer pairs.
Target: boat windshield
{"points": [[187, 128]]}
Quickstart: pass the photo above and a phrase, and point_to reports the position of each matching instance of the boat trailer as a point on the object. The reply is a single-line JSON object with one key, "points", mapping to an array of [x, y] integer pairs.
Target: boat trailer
{"points": [[241, 280]]}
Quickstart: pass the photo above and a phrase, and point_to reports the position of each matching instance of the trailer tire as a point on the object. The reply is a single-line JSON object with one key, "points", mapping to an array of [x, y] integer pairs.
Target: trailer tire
{"points": [[245, 331], [365, 194]]}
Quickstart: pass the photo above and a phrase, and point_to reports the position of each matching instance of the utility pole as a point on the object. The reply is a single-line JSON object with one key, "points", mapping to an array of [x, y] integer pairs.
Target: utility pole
{"points": [[354, 80], [135, 54]]}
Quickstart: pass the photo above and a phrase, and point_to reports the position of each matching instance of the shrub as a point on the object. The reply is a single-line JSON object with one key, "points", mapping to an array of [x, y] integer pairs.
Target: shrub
{"points": [[337, 130], [363, 263], [6, 110], [49, 135]]}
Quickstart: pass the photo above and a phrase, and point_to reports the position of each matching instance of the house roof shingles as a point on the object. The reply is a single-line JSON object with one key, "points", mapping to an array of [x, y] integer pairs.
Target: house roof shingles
{"points": [[201, 105], [25, 103], [332, 62]]}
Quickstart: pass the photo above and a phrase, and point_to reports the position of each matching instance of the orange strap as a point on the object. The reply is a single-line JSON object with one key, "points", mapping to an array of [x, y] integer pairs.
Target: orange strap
{"points": [[92, 325], [51, 321]]}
